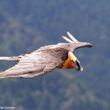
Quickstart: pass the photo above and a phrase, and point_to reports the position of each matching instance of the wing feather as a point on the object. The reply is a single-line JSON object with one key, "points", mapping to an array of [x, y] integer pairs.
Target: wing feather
{"points": [[32, 65]]}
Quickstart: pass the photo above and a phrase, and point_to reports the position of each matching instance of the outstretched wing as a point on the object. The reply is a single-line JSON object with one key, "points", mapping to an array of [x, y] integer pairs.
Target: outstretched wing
{"points": [[31, 65], [74, 43]]}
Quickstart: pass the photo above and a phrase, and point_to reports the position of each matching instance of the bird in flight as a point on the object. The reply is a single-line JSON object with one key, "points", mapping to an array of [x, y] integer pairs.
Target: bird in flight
{"points": [[45, 59]]}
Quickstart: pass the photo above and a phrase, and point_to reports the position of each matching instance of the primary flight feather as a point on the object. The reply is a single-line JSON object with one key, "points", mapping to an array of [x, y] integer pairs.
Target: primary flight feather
{"points": [[45, 59]]}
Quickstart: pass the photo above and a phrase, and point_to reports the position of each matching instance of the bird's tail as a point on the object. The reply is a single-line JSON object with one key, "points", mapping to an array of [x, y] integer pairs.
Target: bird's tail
{"points": [[14, 58], [3, 74]]}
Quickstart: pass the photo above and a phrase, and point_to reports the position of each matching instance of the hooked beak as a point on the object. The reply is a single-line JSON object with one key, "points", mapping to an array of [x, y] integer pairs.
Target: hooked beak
{"points": [[78, 65]]}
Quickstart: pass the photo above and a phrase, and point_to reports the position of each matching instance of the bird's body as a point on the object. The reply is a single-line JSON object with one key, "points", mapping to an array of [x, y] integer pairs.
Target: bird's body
{"points": [[45, 59]]}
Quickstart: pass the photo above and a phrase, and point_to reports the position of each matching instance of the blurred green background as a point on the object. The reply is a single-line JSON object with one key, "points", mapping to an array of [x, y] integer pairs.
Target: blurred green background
{"points": [[25, 25]]}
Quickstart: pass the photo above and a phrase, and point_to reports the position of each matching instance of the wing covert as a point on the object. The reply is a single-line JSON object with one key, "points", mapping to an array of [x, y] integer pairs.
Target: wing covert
{"points": [[32, 65]]}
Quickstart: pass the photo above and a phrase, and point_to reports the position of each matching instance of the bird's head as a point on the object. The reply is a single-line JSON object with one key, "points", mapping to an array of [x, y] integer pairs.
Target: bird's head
{"points": [[72, 62], [73, 44]]}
